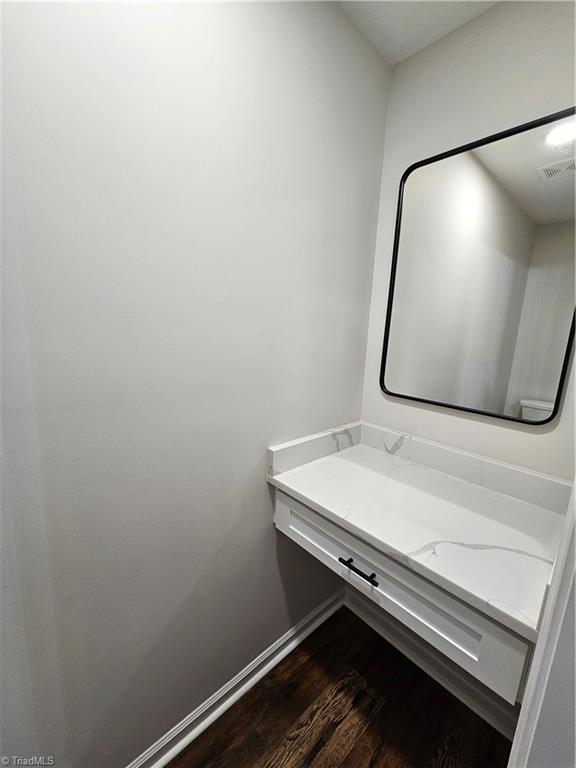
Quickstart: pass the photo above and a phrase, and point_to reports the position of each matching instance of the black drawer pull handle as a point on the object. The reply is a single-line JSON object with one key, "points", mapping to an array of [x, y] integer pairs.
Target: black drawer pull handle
{"points": [[349, 564]]}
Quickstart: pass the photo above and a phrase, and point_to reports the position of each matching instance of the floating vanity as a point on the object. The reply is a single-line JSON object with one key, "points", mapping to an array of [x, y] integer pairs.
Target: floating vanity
{"points": [[458, 548]]}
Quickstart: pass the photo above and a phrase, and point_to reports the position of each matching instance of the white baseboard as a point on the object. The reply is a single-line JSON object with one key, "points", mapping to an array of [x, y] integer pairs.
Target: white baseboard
{"points": [[177, 738], [490, 707]]}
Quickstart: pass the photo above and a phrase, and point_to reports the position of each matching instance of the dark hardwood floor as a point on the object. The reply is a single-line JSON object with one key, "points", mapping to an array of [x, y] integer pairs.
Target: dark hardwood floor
{"points": [[346, 698]]}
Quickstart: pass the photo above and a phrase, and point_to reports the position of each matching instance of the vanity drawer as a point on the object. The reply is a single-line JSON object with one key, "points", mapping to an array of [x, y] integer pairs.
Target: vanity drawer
{"points": [[490, 653]]}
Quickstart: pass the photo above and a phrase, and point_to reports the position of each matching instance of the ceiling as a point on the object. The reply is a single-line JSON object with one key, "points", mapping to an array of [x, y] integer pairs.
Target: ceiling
{"points": [[513, 162], [399, 29]]}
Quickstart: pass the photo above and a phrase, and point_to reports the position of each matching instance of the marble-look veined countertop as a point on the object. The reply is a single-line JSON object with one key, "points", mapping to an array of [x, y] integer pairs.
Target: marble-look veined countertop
{"points": [[491, 550]]}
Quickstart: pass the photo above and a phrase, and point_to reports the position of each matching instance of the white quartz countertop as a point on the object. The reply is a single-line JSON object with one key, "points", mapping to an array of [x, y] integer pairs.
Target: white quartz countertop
{"points": [[493, 551]]}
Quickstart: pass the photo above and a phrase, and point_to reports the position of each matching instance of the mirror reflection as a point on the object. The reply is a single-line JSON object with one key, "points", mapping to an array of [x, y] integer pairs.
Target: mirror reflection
{"points": [[483, 297]]}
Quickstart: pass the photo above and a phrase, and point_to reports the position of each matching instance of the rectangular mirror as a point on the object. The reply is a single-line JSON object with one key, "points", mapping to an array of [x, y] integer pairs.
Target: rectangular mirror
{"points": [[481, 302]]}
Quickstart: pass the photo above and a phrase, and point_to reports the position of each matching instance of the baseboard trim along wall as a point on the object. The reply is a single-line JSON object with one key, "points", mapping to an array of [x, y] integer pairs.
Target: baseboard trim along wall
{"points": [[498, 713], [183, 733]]}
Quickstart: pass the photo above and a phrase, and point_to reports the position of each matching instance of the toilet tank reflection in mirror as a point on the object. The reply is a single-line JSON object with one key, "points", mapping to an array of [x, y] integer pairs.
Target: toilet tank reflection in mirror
{"points": [[481, 303]]}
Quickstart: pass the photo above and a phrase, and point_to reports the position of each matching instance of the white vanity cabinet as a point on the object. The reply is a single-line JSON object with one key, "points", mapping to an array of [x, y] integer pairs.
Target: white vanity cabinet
{"points": [[482, 647], [463, 566]]}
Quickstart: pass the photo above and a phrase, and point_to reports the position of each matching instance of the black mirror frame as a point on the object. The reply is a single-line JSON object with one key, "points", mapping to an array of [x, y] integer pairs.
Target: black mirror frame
{"points": [[443, 155]]}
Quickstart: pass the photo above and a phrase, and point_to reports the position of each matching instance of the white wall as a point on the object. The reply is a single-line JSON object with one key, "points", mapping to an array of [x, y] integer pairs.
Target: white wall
{"points": [[464, 253], [509, 65], [190, 199], [546, 316], [553, 745]]}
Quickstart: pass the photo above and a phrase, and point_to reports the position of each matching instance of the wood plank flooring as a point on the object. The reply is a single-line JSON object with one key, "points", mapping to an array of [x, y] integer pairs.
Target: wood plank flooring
{"points": [[347, 699]]}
